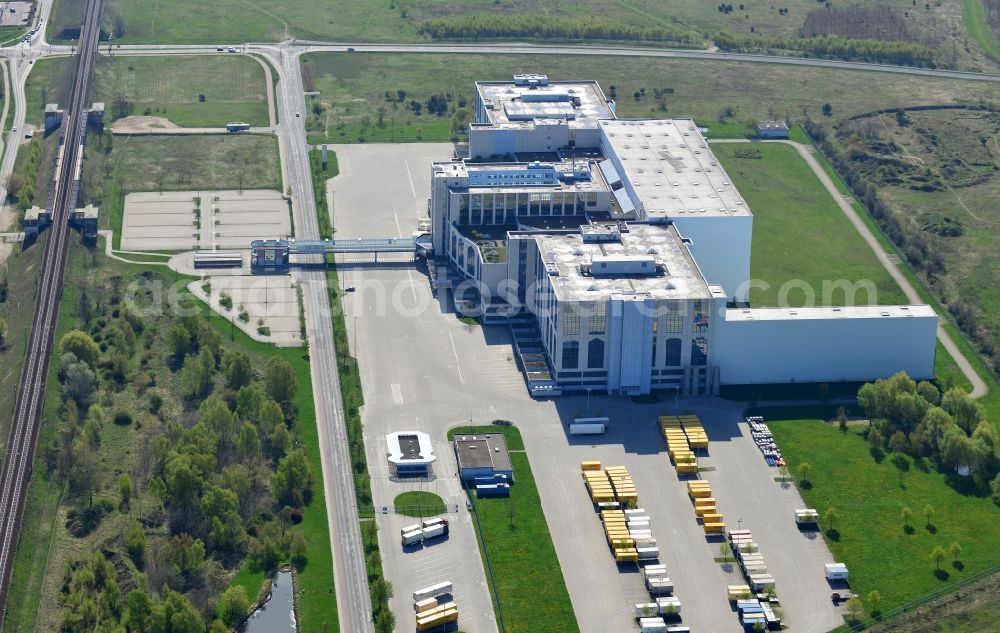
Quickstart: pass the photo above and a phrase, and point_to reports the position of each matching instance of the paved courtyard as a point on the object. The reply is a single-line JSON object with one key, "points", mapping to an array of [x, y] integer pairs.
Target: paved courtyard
{"points": [[269, 301], [202, 220], [422, 369]]}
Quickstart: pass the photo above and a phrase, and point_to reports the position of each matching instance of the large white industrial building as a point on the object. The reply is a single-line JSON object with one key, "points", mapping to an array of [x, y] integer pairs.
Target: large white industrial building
{"points": [[620, 251]]}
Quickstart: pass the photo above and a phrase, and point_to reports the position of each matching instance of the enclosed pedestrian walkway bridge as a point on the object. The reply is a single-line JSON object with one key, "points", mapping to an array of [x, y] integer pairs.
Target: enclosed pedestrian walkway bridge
{"points": [[274, 256]]}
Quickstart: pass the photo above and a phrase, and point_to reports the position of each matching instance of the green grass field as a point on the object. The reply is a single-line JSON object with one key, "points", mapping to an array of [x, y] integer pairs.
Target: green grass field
{"points": [[418, 503], [352, 86], [515, 542], [871, 537], [233, 88], [799, 232], [976, 23]]}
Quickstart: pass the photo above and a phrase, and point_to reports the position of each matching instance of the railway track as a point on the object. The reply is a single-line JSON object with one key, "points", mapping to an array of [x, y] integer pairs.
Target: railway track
{"points": [[16, 470]]}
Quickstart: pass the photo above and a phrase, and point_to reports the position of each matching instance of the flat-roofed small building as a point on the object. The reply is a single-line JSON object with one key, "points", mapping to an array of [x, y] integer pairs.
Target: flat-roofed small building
{"points": [[772, 129], [482, 456], [410, 453]]}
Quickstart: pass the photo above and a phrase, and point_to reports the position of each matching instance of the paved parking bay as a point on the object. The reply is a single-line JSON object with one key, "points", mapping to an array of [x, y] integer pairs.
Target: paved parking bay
{"points": [[422, 369], [169, 221]]}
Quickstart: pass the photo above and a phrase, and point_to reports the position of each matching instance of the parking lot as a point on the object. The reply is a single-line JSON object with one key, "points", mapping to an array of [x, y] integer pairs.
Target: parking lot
{"points": [[175, 221], [422, 369], [15, 13]]}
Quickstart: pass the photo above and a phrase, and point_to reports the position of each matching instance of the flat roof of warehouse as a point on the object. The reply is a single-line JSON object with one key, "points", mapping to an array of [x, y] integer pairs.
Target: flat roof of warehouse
{"points": [[578, 103], [671, 169], [482, 451]]}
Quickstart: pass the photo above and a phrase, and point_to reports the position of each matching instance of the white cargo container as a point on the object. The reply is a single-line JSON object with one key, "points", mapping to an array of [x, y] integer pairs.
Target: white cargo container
{"points": [[646, 609], [759, 582], [654, 570], [436, 520], [432, 591], [652, 625], [806, 516], [648, 553], [665, 603], [634, 512], [659, 585], [409, 538], [577, 428], [836, 571], [678, 629], [637, 517], [434, 531]]}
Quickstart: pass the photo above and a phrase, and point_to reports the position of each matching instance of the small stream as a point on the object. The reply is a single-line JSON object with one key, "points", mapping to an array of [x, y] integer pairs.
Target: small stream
{"points": [[278, 614]]}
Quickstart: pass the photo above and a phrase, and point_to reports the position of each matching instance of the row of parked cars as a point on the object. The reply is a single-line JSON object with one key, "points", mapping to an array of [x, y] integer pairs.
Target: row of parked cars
{"points": [[31, 34], [764, 440]]}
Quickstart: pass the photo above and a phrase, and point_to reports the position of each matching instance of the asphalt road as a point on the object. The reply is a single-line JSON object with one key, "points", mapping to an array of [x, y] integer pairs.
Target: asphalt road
{"points": [[400, 174], [350, 576]]}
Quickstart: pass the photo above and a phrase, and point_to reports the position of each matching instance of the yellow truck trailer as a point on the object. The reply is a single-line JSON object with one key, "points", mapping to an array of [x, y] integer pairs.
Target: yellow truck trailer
{"points": [[703, 510], [590, 466], [714, 528]]}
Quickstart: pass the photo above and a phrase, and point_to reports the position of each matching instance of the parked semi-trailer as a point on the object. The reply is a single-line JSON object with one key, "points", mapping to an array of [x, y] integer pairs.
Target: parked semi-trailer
{"points": [[432, 591], [426, 531]]}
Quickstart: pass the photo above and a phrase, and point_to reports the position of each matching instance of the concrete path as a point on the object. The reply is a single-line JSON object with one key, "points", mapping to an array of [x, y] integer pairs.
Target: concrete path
{"points": [[807, 152]]}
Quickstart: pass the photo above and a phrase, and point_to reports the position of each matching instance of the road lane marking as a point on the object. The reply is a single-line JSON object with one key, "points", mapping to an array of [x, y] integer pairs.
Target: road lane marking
{"points": [[458, 363], [410, 178]]}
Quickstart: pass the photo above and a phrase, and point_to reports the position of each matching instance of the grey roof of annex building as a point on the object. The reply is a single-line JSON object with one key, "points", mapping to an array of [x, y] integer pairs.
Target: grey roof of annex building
{"points": [[506, 107], [672, 169], [481, 451], [567, 257]]}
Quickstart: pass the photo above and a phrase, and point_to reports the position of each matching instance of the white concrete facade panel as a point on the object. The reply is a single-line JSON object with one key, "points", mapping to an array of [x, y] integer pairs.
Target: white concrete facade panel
{"points": [[767, 345]]}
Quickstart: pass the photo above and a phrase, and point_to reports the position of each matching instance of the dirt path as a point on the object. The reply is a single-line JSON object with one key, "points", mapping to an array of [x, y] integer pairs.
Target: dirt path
{"points": [[979, 388]]}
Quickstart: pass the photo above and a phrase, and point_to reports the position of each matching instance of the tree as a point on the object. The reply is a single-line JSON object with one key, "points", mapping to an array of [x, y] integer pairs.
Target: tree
{"points": [[381, 592], [937, 555], [138, 612], [897, 443], [82, 346], [827, 109], [831, 516], [929, 513], [280, 381], [955, 549], [179, 341], [79, 382], [905, 514], [227, 535], [724, 552], [3, 328], [234, 605], [385, 622], [855, 609], [875, 439], [299, 551], [135, 543], [995, 489], [873, 598], [239, 371], [292, 480], [803, 470], [196, 375], [125, 489]]}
